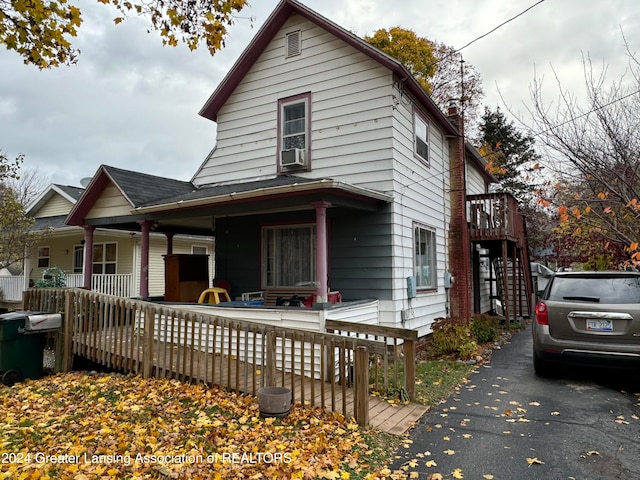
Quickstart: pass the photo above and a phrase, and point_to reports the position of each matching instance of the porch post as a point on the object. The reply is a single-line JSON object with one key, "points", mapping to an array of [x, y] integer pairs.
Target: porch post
{"points": [[88, 256], [145, 226], [169, 236], [322, 268]]}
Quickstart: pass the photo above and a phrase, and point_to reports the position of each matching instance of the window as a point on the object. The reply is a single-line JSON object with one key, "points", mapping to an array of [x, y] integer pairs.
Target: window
{"points": [[425, 257], [197, 250], [105, 258], [421, 137], [78, 258], [44, 257], [294, 120], [288, 255], [294, 125]]}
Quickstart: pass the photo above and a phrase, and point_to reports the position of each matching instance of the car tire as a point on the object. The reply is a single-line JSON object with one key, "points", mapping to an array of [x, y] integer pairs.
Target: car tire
{"points": [[541, 367]]}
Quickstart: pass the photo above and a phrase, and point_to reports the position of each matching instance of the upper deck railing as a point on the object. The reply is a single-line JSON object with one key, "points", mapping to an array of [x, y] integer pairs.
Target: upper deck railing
{"points": [[495, 216]]}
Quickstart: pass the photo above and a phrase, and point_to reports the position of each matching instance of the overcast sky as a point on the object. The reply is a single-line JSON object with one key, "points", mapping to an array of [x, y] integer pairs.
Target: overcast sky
{"points": [[132, 103]]}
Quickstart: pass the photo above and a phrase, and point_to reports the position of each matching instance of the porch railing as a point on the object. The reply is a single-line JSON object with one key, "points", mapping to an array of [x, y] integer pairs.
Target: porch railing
{"points": [[393, 368], [11, 288], [322, 369], [120, 284], [494, 216]]}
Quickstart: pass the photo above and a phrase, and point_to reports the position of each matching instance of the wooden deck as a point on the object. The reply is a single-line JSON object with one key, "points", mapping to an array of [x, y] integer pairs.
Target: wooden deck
{"points": [[124, 352]]}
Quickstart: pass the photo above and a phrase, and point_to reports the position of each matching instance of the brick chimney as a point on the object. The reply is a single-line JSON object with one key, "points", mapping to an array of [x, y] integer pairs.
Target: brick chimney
{"points": [[459, 240]]}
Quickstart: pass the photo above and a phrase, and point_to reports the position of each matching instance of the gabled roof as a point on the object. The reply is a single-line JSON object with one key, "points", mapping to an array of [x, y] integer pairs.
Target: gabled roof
{"points": [[275, 22], [137, 188], [68, 192]]}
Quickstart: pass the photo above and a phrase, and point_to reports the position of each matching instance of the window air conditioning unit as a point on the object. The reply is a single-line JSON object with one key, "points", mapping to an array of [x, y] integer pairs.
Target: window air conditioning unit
{"points": [[294, 157]]}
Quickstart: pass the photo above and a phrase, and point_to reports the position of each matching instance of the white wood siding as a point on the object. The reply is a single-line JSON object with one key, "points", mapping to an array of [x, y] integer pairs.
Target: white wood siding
{"points": [[476, 182], [110, 204], [350, 111], [421, 195], [56, 206], [157, 250]]}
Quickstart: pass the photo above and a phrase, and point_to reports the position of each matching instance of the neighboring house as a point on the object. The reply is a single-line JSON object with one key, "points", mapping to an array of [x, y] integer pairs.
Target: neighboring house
{"points": [[115, 265], [333, 169]]}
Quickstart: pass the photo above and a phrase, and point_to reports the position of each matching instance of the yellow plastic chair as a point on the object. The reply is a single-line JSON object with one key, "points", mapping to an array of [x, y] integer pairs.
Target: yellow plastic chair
{"points": [[214, 295]]}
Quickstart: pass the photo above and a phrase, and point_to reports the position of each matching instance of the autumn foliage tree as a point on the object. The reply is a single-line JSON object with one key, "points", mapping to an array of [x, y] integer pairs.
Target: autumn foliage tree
{"points": [[597, 147], [41, 31], [510, 154], [16, 236], [436, 67]]}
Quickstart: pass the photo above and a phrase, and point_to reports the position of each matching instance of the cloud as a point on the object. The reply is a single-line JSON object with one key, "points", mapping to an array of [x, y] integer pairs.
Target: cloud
{"points": [[132, 103]]}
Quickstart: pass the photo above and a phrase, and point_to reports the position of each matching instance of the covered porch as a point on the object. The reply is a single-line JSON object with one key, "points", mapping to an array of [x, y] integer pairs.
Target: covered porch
{"points": [[286, 231]]}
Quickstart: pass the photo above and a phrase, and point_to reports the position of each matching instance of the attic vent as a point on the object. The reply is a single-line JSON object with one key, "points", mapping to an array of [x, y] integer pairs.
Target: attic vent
{"points": [[293, 46]]}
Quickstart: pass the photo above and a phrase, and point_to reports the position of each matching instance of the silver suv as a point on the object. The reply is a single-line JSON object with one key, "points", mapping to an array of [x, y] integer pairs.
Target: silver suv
{"points": [[588, 318]]}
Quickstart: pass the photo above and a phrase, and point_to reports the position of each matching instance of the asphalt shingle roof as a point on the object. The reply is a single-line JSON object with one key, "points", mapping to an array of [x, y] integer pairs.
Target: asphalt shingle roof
{"points": [[143, 189]]}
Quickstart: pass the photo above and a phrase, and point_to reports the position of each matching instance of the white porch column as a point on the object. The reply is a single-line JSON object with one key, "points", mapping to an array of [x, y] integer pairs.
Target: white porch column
{"points": [[322, 267]]}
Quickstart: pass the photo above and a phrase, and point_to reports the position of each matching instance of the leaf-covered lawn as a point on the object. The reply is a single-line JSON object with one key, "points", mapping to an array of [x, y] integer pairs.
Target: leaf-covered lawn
{"points": [[80, 426]]}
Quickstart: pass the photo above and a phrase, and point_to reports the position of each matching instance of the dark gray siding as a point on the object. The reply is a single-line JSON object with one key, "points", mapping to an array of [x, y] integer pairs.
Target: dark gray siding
{"points": [[361, 254], [360, 251]]}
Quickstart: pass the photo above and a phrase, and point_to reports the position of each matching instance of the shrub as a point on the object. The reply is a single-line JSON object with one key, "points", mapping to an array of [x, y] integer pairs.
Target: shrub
{"points": [[52, 277], [452, 337], [485, 328]]}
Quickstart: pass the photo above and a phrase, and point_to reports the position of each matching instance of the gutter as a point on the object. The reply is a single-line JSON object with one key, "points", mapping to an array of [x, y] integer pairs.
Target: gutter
{"points": [[266, 192]]}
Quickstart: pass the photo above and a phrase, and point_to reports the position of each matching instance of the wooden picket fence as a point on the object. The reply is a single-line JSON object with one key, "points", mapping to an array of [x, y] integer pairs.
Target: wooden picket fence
{"points": [[334, 371]]}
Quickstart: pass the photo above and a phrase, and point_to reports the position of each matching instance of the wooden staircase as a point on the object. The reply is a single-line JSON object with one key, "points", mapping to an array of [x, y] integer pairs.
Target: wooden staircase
{"points": [[497, 225]]}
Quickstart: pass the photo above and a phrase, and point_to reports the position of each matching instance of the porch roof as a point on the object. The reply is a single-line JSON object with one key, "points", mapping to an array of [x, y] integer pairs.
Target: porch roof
{"points": [[181, 207]]}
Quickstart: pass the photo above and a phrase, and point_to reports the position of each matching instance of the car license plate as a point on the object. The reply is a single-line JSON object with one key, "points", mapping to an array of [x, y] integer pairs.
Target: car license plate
{"points": [[599, 325]]}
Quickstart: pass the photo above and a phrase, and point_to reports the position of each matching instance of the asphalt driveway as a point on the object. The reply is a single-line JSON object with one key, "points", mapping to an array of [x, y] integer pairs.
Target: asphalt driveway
{"points": [[507, 423]]}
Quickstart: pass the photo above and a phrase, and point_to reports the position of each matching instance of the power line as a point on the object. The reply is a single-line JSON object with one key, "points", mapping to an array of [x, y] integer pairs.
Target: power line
{"points": [[595, 109], [501, 25]]}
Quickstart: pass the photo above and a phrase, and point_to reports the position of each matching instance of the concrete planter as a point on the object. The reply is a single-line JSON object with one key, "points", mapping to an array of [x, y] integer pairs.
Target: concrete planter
{"points": [[274, 401]]}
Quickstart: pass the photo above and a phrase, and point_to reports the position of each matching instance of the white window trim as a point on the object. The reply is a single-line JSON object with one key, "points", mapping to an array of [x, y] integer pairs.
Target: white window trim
{"points": [[206, 249], [433, 261], [417, 117], [41, 257], [104, 262]]}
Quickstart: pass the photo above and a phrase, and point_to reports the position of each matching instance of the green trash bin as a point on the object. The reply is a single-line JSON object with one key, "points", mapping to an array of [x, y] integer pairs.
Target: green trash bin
{"points": [[21, 352]]}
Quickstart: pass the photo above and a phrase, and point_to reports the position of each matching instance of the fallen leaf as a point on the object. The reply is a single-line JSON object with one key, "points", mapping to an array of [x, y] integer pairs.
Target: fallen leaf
{"points": [[534, 461], [488, 476], [450, 452], [431, 463], [457, 473]]}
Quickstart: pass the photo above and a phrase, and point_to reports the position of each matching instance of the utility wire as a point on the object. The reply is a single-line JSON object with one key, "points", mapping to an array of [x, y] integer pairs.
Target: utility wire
{"points": [[595, 109], [501, 25]]}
